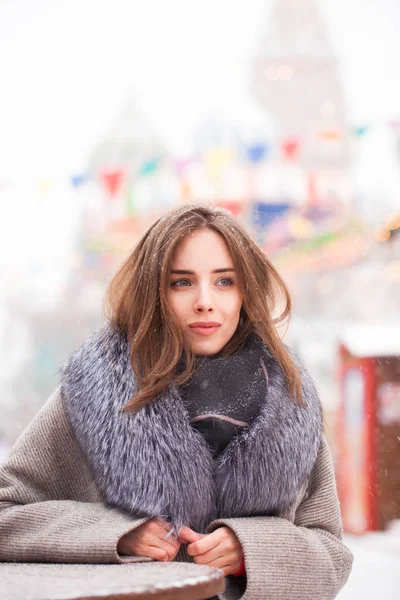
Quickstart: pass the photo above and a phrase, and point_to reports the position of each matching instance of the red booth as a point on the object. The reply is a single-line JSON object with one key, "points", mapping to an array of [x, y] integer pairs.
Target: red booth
{"points": [[368, 457]]}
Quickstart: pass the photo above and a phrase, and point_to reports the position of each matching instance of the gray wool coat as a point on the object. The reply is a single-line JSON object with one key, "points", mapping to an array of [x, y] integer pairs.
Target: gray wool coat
{"points": [[83, 474]]}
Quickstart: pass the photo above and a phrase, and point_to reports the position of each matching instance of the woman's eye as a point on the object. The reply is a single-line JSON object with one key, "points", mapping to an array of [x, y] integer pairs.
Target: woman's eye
{"points": [[225, 282], [181, 283]]}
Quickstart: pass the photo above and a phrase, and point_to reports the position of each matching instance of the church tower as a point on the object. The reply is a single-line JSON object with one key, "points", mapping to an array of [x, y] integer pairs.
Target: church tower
{"points": [[296, 79]]}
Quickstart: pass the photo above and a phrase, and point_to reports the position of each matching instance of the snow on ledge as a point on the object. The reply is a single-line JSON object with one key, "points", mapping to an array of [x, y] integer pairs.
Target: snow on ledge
{"points": [[378, 339]]}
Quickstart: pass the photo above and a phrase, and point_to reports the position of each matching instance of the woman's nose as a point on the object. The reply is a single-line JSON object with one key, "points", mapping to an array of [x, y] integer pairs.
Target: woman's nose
{"points": [[203, 301]]}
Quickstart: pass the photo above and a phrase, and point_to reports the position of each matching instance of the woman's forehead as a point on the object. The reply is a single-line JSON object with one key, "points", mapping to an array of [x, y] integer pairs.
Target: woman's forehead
{"points": [[202, 248]]}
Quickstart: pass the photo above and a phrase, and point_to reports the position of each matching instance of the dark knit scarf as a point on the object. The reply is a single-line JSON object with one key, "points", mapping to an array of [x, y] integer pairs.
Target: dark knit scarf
{"points": [[155, 464], [225, 394]]}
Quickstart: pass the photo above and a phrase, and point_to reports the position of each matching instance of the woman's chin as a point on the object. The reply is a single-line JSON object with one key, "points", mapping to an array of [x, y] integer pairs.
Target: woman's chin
{"points": [[207, 347]]}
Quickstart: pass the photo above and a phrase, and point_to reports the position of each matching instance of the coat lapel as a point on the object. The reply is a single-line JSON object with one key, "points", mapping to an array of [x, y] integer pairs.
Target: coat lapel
{"points": [[155, 464]]}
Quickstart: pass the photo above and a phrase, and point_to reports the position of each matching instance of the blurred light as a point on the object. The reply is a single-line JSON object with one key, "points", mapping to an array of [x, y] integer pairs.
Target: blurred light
{"points": [[328, 109], [393, 222], [285, 73], [331, 135], [271, 73], [382, 234], [392, 270]]}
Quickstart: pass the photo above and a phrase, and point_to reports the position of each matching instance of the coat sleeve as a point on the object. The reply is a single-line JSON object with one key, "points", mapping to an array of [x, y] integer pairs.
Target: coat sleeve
{"points": [[50, 508], [301, 556]]}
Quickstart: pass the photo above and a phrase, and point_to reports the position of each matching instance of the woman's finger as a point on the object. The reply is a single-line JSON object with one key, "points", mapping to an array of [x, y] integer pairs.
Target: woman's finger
{"points": [[170, 549], [209, 541], [213, 554], [155, 553], [150, 534], [188, 536], [149, 538], [162, 529], [171, 539], [171, 546], [228, 560]]}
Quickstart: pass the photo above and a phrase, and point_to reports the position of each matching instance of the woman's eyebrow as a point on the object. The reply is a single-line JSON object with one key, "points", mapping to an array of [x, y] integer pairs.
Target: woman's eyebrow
{"points": [[186, 272]]}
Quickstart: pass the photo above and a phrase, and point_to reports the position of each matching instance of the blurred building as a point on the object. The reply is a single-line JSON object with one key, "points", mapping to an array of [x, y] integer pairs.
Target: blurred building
{"points": [[337, 272], [128, 143], [296, 79]]}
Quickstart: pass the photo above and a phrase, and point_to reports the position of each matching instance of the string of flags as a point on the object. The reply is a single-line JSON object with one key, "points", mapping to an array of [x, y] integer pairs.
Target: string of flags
{"points": [[216, 160], [219, 158]]}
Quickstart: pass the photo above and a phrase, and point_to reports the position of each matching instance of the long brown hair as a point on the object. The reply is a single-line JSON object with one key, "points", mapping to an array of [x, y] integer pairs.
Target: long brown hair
{"points": [[136, 301]]}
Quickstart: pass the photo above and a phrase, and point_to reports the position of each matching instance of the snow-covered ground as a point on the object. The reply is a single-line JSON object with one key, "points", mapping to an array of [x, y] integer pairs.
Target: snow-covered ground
{"points": [[376, 567]]}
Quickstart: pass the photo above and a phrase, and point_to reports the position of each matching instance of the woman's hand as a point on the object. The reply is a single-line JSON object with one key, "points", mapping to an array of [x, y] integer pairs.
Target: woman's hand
{"points": [[149, 540], [220, 549]]}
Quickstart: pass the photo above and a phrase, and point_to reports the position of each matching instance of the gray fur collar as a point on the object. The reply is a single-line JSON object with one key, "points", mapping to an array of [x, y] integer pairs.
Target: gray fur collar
{"points": [[154, 463]]}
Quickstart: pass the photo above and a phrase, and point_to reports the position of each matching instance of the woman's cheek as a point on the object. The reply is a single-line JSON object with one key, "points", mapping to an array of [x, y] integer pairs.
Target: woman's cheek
{"points": [[232, 301]]}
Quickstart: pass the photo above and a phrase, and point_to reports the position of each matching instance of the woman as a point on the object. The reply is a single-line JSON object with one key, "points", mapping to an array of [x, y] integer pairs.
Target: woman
{"points": [[184, 429]]}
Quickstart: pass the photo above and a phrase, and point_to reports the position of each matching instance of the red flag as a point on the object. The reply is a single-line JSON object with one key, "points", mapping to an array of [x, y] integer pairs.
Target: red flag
{"points": [[236, 208], [290, 148], [112, 180]]}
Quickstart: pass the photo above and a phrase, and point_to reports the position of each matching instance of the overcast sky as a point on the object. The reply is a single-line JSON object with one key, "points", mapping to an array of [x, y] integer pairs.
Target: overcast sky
{"points": [[65, 66]]}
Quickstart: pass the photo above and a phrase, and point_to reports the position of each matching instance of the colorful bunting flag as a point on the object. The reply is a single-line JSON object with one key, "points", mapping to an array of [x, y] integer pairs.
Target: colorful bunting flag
{"points": [[217, 159], [290, 148], [236, 208], [79, 179], [112, 180], [44, 186], [181, 164], [150, 166], [257, 152], [130, 201], [360, 131], [331, 135], [264, 215]]}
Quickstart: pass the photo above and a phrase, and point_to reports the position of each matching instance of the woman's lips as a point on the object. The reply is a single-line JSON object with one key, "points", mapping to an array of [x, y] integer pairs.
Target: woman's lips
{"points": [[204, 330], [204, 327]]}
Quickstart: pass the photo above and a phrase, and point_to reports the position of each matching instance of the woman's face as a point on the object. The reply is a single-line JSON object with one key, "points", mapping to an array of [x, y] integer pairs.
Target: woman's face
{"points": [[203, 292]]}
